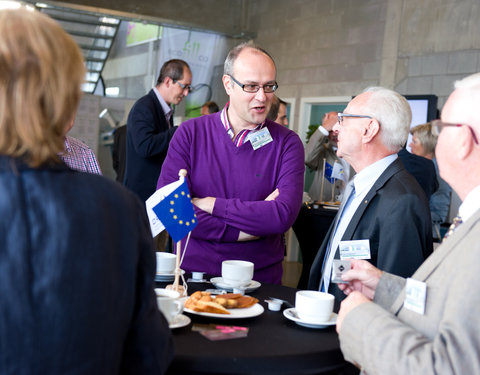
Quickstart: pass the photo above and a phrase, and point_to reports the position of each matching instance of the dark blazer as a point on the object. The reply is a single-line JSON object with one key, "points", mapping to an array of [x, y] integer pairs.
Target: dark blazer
{"points": [[76, 276], [395, 217], [119, 152], [422, 169], [148, 137]]}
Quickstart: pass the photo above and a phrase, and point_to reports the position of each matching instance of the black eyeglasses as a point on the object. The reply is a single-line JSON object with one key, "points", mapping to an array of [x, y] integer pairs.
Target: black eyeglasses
{"points": [[183, 86], [251, 87], [341, 115], [438, 125]]}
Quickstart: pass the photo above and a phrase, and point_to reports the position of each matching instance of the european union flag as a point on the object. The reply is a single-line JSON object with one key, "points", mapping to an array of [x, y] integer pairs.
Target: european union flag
{"points": [[328, 173], [176, 213]]}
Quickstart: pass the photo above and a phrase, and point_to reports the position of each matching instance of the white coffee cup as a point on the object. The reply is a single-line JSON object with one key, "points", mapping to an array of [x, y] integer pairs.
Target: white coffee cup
{"points": [[314, 307], [169, 303], [165, 262], [237, 272]]}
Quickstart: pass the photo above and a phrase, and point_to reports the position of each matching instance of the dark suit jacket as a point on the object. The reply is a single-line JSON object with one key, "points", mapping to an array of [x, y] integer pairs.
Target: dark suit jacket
{"points": [[119, 152], [395, 217], [422, 169], [76, 276], [148, 137]]}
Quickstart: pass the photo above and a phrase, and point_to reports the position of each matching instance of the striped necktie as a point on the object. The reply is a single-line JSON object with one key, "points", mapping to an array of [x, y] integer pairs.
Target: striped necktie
{"points": [[456, 222]]}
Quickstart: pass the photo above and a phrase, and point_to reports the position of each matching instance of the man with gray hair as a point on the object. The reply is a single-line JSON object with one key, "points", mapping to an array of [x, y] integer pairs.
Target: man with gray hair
{"points": [[428, 324], [384, 216]]}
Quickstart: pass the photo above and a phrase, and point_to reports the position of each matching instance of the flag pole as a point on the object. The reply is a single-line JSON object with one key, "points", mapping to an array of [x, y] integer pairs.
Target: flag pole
{"points": [[182, 173], [323, 180], [333, 190]]}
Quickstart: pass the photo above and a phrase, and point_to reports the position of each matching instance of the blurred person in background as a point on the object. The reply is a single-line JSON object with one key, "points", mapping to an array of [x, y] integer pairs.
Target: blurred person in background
{"points": [[423, 144], [208, 108]]}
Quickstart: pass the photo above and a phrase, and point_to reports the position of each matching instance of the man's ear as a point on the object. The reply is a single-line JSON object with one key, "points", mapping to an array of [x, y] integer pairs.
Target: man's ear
{"points": [[371, 131], [227, 84], [465, 141], [168, 81]]}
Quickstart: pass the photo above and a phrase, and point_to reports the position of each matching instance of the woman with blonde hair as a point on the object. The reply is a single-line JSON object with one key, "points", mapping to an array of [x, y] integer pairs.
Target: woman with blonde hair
{"points": [[423, 144], [76, 254]]}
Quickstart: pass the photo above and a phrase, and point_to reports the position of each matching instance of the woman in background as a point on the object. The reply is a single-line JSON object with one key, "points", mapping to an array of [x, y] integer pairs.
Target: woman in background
{"points": [[76, 253], [423, 144]]}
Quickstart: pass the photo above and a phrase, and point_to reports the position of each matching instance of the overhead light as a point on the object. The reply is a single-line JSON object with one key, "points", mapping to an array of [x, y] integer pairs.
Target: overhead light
{"points": [[7, 4], [112, 91]]}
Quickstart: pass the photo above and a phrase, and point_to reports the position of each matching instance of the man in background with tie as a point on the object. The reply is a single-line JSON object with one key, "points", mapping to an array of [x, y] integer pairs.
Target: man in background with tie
{"points": [[385, 215], [431, 322], [150, 127]]}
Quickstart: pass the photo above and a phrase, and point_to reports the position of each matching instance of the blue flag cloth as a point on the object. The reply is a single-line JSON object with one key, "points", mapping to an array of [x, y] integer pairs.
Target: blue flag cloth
{"points": [[328, 173], [176, 213]]}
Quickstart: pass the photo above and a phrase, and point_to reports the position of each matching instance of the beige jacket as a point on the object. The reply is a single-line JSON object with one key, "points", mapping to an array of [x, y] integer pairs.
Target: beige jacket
{"points": [[386, 338]]}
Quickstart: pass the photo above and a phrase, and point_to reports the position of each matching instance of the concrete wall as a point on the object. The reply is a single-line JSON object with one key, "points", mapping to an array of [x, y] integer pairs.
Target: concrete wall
{"points": [[338, 47]]}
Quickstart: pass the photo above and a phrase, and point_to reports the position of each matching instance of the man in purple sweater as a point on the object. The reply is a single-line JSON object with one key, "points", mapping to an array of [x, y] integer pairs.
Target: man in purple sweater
{"points": [[245, 172]]}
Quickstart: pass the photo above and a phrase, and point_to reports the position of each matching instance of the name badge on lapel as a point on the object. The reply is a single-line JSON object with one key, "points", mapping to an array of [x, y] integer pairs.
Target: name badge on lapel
{"points": [[260, 138], [415, 296], [359, 249]]}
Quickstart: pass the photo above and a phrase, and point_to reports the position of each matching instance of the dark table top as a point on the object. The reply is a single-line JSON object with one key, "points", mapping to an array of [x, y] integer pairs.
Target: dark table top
{"points": [[275, 345]]}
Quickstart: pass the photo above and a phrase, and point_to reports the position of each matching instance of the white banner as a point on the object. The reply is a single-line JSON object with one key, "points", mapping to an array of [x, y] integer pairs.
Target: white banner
{"points": [[202, 51]]}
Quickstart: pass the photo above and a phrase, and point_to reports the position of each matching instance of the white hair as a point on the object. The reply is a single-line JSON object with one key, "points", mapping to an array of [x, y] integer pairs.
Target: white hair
{"points": [[393, 113]]}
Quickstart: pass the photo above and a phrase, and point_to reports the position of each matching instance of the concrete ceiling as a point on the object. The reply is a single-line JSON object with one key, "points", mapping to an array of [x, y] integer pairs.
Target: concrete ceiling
{"points": [[224, 16]]}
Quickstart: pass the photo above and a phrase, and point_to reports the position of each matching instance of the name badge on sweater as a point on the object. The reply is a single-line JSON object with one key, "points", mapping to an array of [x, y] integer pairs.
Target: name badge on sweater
{"points": [[415, 296], [359, 249], [260, 138]]}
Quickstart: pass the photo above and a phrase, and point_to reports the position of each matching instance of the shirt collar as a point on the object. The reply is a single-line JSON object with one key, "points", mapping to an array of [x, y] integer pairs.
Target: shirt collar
{"points": [[226, 122], [166, 108], [366, 178], [470, 204]]}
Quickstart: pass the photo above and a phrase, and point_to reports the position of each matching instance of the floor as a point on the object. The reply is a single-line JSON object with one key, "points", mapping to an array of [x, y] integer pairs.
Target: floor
{"points": [[291, 273]]}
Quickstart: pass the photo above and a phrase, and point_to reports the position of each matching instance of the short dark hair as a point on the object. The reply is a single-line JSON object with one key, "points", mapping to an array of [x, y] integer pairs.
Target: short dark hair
{"points": [[273, 113], [211, 106], [173, 69]]}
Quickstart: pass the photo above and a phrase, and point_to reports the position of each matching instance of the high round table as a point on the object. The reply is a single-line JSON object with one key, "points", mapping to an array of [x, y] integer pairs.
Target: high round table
{"points": [[275, 345]]}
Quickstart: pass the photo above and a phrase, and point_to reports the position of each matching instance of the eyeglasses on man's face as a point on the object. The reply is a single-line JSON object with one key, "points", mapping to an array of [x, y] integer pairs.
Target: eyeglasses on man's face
{"points": [[438, 125], [183, 86], [340, 117], [252, 87]]}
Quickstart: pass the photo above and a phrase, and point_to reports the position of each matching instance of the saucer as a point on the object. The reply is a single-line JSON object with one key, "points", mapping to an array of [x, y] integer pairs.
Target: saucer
{"points": [[292, 315], [163, 277], [220, 284], [180, 321]]}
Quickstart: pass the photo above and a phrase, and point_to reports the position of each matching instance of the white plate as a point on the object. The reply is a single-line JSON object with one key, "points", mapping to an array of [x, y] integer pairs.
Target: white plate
{"points": [[219, 283], [289, 314], [180, 321], [161, 277], [248, 312]]}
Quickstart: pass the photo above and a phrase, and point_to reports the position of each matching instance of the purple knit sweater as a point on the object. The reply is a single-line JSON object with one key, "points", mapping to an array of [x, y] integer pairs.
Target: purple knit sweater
{"points": [[240, 178]]}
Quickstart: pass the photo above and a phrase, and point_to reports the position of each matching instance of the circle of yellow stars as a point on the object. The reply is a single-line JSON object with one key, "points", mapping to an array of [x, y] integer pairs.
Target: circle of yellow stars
{"points": [[175, 217]]}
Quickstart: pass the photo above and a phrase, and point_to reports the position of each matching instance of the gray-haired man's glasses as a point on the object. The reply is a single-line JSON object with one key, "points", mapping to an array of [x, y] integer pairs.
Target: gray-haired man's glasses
{"points": [[252, 88], [341, 115], [438, 125]]}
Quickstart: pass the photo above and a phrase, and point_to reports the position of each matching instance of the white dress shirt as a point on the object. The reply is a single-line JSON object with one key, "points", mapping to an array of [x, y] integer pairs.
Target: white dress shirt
{"points": [[363, 182], [470, 204]]}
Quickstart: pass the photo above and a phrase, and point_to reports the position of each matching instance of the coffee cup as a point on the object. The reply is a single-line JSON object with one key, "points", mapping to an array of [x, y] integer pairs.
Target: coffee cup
{"points": [[236, 273], [169, 303], [314, 307], [165, 262]]}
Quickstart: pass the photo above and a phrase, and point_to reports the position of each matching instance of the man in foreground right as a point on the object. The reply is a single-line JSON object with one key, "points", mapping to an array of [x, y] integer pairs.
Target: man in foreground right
{"points": [[429, 323]]}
